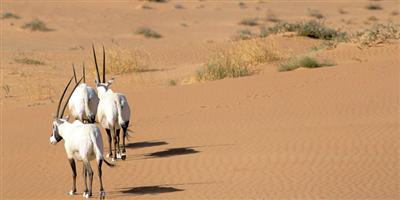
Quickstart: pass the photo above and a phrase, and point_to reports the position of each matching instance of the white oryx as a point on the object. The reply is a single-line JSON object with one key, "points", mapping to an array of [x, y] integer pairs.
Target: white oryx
{"points": [[83, 142], [113, 112], [84, 101]]}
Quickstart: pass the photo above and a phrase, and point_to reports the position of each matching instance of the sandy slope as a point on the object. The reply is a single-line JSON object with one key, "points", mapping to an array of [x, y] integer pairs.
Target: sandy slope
{"points": [[328, 133]]}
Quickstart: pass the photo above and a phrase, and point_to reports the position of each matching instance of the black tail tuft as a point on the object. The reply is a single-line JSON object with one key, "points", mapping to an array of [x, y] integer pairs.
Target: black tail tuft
{"points": [[107, 163]]}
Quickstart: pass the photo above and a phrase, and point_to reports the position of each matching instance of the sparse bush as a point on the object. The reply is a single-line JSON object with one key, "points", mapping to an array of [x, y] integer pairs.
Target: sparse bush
{"points": [[9, 15], [373, 18], [374, 6], [315, 13], [36, 25], [394, 13], [121, 61], [244, 34], [238, 60], [242, 5], [172, 82], [179, 6], [272, 18], [302, 61], [312, 29], [378, 34], [342, 11], [28, 61], [157, 1], [148, 33], [249, 22]]}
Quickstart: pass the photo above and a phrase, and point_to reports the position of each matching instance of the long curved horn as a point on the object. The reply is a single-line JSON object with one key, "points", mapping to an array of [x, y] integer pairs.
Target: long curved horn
{"points": [[83, 72], [66, 102], [62, 96], [104, 65], [73, 69], [95, 62]]}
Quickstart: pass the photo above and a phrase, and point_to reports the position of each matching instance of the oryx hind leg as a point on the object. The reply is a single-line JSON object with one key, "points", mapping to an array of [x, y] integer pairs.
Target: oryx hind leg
{"points": [[73, 167], [110, 154], [125, 134]]}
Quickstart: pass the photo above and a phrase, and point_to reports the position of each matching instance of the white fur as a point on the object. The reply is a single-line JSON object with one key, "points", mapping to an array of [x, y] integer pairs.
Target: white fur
{"points": [[113, 109], [83, 103], [82, 141]]}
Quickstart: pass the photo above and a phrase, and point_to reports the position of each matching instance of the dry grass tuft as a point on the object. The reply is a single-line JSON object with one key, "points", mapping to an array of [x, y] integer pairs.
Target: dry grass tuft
{"points": [[28, 61], [303, 61], [120, 61], [240, 59]]}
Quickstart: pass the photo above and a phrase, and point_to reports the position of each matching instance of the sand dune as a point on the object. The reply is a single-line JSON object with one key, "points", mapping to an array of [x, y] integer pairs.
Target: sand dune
{"points": [[326, 133]]}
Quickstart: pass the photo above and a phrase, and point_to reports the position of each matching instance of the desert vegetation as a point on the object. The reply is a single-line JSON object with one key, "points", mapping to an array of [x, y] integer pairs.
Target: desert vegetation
{"points": [[374, 6], [120, 60], [240, 59], [315, 13], [36, 25], [28, 61], [312, 29], [249, 22], [9, 15], [148, 32], [303, 61], [378, 34]]}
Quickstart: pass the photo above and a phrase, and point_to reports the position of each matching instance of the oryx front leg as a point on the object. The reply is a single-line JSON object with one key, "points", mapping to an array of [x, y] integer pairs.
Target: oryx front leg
{"points": [[102, 192], [73, 167], [89, 172]]}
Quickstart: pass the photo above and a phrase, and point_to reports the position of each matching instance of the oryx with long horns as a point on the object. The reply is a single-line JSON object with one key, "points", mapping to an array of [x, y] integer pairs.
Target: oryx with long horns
{"points": [[83, 142], [113, 112], [84, 101]]}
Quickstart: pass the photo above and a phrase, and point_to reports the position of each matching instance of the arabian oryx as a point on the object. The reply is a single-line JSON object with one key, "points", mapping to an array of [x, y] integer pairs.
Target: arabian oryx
{"points": [[82, 142], [84, 101], [113, 112]]}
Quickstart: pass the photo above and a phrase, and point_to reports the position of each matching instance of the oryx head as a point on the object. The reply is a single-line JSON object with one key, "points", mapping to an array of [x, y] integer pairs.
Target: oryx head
{"points": [[101, 84], [59, 118]]}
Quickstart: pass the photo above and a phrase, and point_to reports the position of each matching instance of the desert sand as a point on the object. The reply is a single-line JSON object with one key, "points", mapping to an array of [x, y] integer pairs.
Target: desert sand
{"points": [[325, 133]]}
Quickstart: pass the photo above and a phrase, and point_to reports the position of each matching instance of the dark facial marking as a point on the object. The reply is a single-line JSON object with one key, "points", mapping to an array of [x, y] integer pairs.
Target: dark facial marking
{"points": [[56, 134]]}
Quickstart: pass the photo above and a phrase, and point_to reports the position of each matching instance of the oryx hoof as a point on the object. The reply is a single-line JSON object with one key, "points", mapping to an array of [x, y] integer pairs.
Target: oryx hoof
{"points": [[102, 195], [87, 195], [72, 192], [123, 156], [109, 155], [118, 155]]}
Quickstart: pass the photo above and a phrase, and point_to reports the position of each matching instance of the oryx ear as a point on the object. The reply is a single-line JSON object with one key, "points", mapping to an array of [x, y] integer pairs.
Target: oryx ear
{"points": [[66, 117], [109, 82]]}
